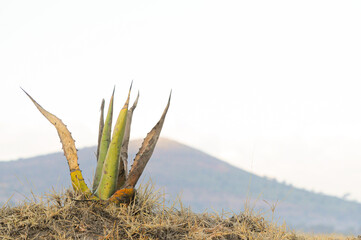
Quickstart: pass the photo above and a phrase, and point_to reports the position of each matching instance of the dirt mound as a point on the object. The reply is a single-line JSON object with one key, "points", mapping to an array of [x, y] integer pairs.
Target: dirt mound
{"points": [[72, 216]]}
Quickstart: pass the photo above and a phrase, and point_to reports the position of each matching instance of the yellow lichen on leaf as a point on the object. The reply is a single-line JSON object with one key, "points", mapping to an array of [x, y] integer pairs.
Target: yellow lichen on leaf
{"points": [[78, 182], [124, 195]]}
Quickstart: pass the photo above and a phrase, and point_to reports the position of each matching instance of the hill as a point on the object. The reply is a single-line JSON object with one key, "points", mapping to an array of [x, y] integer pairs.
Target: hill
{"points": [[204, 182]]}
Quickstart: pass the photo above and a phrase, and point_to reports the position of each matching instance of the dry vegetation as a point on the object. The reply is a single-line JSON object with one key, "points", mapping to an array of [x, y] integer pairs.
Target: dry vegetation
{"points": [[72, 216]]}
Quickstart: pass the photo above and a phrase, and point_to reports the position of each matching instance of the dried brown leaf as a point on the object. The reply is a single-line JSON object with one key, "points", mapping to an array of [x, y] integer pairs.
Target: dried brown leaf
{"points": [[146, 151], [69, 148], [123, 173]]}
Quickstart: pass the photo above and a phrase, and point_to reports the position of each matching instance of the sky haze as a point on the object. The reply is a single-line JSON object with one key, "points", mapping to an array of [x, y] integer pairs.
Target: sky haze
{"points": [[272, 87]]}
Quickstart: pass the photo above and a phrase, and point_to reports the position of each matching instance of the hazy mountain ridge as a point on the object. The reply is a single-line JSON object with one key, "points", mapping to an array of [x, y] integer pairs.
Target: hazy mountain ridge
{"points": [[203, 181]]}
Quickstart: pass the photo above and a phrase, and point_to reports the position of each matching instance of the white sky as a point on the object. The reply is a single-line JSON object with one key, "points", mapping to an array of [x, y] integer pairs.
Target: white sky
{"points": [[270, 86]]}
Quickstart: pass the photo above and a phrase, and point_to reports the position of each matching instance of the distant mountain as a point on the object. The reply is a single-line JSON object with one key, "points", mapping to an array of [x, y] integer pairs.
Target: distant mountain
{"points": [[203, 182]]}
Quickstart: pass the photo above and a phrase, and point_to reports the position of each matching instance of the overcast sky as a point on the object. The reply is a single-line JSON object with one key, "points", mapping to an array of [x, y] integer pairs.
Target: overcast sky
{"points": [[273, 87]]}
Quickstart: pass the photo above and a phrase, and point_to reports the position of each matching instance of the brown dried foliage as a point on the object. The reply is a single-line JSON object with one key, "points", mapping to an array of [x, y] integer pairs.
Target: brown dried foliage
{"points": [[72, 216]]}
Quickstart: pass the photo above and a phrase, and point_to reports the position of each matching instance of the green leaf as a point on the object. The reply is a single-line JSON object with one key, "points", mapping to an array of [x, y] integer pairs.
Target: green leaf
{"points": [[108, 181], [101, 126], [104, 143]]}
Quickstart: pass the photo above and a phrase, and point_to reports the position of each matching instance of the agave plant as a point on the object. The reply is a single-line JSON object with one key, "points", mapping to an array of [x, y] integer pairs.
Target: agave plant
{"points": [[112, 181]]}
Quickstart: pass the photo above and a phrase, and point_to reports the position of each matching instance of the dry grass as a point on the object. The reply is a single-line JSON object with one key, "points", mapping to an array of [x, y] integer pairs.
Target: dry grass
{"points": [[71, 216], [326, 237]]}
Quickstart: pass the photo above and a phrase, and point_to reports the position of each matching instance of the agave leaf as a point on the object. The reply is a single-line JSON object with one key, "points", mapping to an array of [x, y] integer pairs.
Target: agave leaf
{"points": [[69, 148], [145, 151], [123, 172], [108, 180], [104, 143], [101, 126], [123, 195]]}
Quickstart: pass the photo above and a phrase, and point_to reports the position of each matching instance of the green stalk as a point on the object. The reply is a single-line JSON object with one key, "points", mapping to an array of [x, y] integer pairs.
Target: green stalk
{"points": [[104, 144], [108, 181], [101, 126]]}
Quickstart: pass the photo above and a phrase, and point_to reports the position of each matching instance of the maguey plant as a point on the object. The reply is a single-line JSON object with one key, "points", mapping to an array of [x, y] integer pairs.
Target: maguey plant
{"points": [[112, 180]]}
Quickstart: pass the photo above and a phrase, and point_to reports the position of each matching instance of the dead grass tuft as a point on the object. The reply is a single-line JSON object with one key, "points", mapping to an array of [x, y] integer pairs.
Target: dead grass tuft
{"points": [[71, 216]]}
